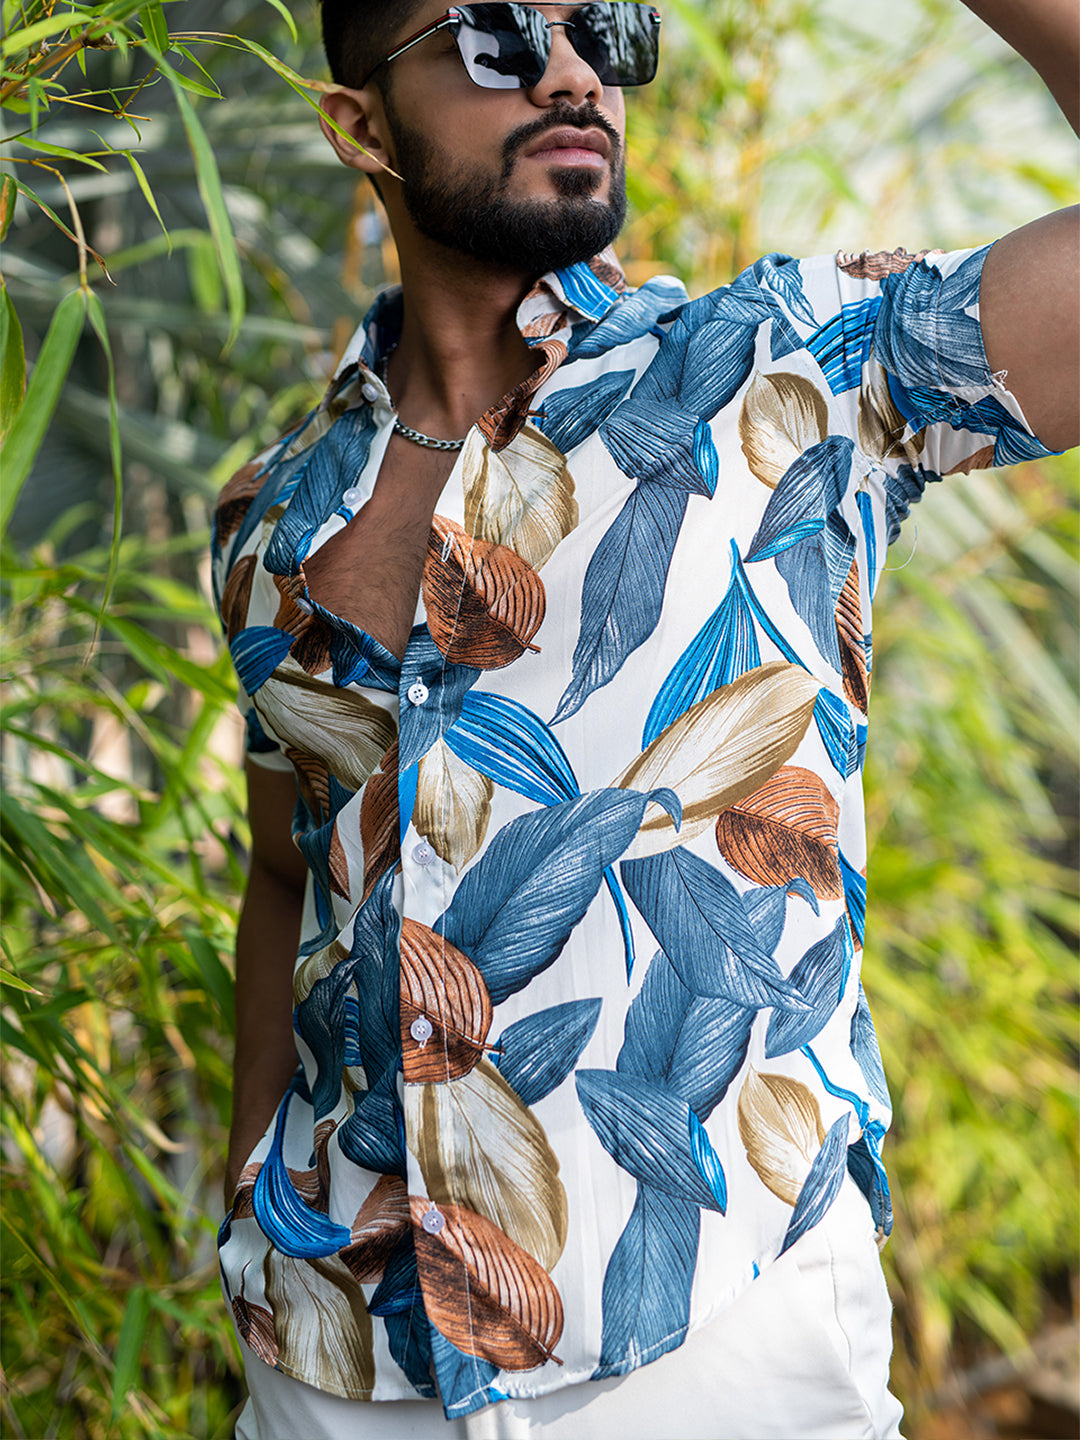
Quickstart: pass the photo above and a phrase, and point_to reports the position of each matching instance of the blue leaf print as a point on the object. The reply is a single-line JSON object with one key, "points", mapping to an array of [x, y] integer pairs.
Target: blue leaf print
{"points": [[698, 918], [814, 572], [584, 289], [986, 417], [923, 328], [422, 725], [646, 1295], [854, 896], [646, 1130], [820, 977], [866, 515], [822, 1184], [865, 1048], [811, 487], [356, 656], [569, 417], [657, 445], [282, 479], [841, 346], [399, 1289], [724, 648], [514, 910], [623, 589], [865, 1168], [634, 316], [508, 743], [373, 1136], [693, 1046], [837, 731], [511, 745], [766, 909], [256, 654], [408, 1336], [707, 1160], [464, 1380], [902, 490], [290, 1225], [781, 274], [351, 1027], [342, 451], [536, 1054], [706, 460]]}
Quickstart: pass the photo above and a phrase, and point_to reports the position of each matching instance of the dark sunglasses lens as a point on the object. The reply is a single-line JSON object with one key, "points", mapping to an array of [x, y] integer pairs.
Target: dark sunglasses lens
{"points": [[504, 47], [619, 42]]}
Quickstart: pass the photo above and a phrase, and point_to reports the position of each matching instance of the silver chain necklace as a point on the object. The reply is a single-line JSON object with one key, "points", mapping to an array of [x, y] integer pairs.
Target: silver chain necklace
{"points": [[406, 431]]}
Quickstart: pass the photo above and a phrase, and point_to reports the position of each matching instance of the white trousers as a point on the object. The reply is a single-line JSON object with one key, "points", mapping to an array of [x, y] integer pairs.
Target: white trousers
{"points": [[803, 1354]]}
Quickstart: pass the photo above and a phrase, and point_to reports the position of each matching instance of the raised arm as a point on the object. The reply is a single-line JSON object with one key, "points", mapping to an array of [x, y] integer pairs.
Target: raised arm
{"points": [[266, 941], [1029, 303]]}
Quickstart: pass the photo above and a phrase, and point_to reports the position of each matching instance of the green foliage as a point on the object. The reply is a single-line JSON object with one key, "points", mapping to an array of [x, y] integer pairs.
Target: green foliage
{"points": [[794, 125]]}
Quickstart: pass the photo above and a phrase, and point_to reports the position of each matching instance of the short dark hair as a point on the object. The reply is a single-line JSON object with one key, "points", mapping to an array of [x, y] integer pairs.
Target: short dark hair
{"points": [[358, 33]]}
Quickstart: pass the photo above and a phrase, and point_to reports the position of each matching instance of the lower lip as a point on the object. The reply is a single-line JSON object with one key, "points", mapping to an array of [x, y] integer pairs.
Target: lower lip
{"points": [[567, 156]]}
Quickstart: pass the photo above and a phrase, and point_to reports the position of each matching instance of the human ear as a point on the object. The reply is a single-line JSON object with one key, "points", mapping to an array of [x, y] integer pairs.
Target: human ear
{"points": [[354, 125]]}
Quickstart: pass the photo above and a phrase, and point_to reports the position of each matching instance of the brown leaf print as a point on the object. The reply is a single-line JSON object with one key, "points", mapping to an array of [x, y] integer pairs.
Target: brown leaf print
{"points": [[312, 780], [236, 596], [981, 459], [483, 1292], [379, 824], [242, 1206], [502, 422], [875, 265], [849, 630], [311, 648], [256, 1325], [484, 602], [381, 1223], [441, 985], [235, 498], [786, 828], [338, 865], [313, 1186], [544, 325]]}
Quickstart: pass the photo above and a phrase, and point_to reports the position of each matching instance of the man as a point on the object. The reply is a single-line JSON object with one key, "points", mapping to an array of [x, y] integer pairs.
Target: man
{"points": [[552, 624]]}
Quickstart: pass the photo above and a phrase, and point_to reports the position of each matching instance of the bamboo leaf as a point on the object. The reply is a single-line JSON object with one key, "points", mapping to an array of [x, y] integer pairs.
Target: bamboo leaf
{"points": [[42, 395], [8, 192], [129, 1347], [12, 362]]}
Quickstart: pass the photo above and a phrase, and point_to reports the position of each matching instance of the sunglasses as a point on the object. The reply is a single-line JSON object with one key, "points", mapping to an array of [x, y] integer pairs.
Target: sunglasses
{"points": [[507, 46]]}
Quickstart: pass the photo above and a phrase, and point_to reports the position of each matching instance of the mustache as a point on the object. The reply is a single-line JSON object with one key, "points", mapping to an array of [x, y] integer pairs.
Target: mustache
{"points": [[583, 117]]}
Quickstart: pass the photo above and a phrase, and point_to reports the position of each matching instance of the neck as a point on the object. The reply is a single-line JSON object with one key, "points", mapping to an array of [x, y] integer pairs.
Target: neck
{"points": [[460, 349]]}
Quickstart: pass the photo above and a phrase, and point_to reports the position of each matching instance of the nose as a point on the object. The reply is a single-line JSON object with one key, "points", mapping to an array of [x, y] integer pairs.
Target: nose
{"points": [[567, 77]]}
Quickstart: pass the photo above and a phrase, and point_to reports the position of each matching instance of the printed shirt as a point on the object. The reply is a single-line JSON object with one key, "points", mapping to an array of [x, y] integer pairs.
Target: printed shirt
{"points": [[582, 1042]]}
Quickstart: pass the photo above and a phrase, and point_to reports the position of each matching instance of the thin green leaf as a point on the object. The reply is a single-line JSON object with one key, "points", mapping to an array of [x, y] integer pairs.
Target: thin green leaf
{"points": [[15, 982], [154, 24], [8, 191], [129, 1347], [97, 320], [30, 36], [42, 394], [148, 196], [284, 13], [12, 362]]}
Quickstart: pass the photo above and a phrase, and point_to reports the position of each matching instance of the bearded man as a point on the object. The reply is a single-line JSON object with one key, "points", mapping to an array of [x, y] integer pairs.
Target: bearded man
{"points": [[558, 1107]]}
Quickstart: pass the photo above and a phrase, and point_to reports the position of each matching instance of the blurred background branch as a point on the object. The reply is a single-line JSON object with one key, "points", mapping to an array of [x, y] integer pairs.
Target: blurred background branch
{"points": [[183, 260]]}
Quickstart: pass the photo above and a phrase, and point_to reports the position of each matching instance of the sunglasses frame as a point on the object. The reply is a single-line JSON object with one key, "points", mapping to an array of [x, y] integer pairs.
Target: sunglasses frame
{"points": [[452, 16]]}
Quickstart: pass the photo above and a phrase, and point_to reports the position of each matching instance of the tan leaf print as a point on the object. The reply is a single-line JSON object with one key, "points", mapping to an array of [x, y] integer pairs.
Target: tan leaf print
{"points": [[881, 426], [786, 828], [453, 805], [484, 1293], [721, 750], [521, 496], [849, 630], [781, 1131], [478, 1145], [782, 415], [443, 986], [345, 730], [321, 1323]]}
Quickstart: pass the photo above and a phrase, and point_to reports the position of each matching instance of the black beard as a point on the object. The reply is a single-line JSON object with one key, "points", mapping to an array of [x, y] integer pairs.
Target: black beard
{"points": [[468, 211]]}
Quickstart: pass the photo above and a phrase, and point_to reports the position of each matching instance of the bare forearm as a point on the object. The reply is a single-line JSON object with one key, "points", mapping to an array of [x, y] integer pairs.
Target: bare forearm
{"points": [[265, 1055], [1047, 34]]}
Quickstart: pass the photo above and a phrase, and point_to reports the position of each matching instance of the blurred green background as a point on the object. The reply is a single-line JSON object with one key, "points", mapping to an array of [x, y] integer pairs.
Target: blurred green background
{"points": [[207, 190]]}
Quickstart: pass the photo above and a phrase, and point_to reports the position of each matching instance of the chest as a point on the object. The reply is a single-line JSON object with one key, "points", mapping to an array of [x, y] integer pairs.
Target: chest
{"points": [[369, 572]]}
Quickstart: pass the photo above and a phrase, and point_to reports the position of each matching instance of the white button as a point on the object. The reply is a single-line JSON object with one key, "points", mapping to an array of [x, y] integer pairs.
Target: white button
{"points": [[433, 1222], [369, 391], [417, 692], [305, 605], [352, 496], [421, 1030], [423, 854]]}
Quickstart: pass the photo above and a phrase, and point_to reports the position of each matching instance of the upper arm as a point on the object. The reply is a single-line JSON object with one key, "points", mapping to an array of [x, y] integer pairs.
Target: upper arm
{"points": [[271, 802], [1029, 309]]}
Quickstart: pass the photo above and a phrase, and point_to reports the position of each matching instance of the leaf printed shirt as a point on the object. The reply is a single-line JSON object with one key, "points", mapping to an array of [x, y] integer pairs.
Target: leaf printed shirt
{"points": [[582, 1044]]}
